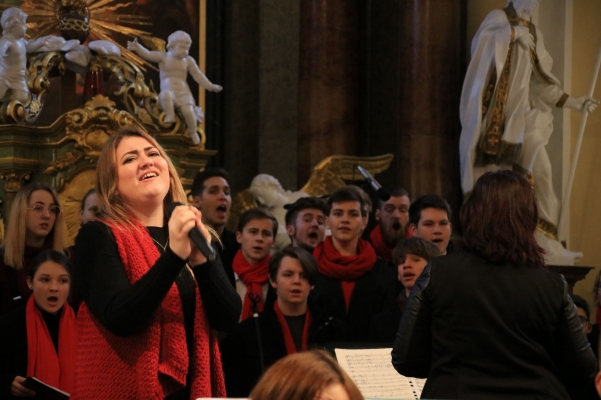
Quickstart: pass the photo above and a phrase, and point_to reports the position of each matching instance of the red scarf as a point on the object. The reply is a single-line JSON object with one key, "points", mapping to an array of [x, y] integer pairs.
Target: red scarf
{"points": [[288, 341], [347, 269], [153, 363], [377, 241], [43, 362], [254, 277]]}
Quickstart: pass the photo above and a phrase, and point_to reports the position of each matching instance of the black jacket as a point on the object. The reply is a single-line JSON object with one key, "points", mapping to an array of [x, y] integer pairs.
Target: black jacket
{"points": [[485, 330], [13, 350], [240, 349], [227, 251], [374, 292]]}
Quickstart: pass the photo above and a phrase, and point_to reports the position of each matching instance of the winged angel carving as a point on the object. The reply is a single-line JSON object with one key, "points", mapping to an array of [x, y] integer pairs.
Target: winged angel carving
{"points": [[330, 174]]}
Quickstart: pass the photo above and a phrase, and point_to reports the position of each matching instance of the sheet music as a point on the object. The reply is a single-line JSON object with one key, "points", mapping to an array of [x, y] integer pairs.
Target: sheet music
{"points": [[374, 375]]}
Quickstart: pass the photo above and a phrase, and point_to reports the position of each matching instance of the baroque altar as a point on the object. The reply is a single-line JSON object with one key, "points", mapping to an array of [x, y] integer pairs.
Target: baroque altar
{"points": [[53, 139]]}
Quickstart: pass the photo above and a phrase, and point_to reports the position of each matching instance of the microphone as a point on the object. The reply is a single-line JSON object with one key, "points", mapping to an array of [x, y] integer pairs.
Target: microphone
{"points": [[196, 236], [382, 193]]}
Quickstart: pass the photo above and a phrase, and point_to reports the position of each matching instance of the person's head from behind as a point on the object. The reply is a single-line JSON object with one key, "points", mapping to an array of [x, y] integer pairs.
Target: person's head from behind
{"points": [[256, 233], [13, 21], [393, 216], [211, 195], [292, 273], [50, 279], [305, 222], [411, 256], [499, 219], [35, 220], [311, 375], [346, 216], [584, 313], [430, 219], [89, 206], [178, 44], [135, 175]]}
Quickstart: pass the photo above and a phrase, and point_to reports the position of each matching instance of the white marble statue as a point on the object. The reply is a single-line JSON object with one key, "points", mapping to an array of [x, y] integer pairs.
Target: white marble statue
{"points": [[269, 194], [174, 66], [13, 54], [506, 102]]}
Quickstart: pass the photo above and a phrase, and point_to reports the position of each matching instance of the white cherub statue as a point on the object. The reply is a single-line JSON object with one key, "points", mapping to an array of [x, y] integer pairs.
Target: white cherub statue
{"points": [[174, 66], [13, 54], [269, 193]]}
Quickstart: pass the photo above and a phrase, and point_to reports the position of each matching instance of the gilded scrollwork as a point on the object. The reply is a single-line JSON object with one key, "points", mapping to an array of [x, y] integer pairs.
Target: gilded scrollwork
{"points": [[41, 67], [13, 179], [89, 127], [141, 99]]}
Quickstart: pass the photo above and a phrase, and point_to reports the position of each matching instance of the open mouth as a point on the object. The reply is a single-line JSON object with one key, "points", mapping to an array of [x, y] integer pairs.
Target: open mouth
{"points": [[148, 176], [408, 275], [52, 299], [313, 235], [222, 208], [396, 226]]}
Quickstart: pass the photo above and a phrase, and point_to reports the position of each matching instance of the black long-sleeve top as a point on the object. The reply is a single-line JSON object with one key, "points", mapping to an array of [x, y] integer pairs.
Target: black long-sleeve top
{"points": [[483, 330], [13, 345], [124, 308]]}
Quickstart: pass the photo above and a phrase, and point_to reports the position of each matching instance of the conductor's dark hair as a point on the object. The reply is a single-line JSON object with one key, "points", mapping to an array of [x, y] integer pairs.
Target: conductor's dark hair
{"points": [[499, 219]]}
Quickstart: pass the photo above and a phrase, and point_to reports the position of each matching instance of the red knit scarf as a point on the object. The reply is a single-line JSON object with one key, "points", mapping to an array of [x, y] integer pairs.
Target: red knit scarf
{"points": [[43, 362], [254, 277], [288, 341], [347, 269], [153, 363], [377, 241]]}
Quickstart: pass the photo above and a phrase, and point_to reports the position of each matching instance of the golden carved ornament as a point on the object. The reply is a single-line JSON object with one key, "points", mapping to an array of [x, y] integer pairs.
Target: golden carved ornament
{"points": [[71, 196], [100, 18], [41, 66], [330, 174], [141, 99], [13, 179], [89, 127]]}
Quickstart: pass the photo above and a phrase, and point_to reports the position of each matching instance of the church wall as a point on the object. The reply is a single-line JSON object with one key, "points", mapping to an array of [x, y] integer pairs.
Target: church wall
{"points": [[585, 206]]}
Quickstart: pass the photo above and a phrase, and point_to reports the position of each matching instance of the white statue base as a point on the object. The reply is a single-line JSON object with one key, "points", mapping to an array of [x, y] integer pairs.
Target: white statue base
{"points": [[555, 253]]}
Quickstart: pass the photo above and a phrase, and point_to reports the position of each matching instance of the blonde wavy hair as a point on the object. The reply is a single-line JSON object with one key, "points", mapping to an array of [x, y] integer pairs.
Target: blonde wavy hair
{"points": [[112, 207], [14, 242]]}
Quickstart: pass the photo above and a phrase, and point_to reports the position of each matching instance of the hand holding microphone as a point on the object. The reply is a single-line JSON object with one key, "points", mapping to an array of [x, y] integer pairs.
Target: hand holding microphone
{"points": [[183, 229]]}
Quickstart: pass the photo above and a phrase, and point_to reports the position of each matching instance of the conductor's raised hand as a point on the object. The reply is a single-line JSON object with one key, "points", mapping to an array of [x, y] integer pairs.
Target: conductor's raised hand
{"points": [[183, 219]]}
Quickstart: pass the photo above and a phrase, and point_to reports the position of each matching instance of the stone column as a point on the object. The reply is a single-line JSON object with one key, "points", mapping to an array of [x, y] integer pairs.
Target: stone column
{"points": [[431, 74], [328, 82]]}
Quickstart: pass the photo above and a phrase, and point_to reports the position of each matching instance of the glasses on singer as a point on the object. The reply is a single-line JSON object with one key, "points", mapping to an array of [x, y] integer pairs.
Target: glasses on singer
{"points": [[583, 320], [41, 210]]}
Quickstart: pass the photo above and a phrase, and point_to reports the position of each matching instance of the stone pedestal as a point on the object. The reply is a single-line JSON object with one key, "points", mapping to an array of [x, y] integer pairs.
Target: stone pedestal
{"points": [[572, 273]]}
